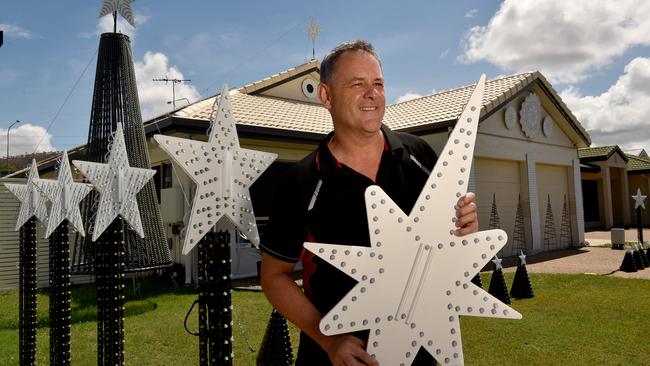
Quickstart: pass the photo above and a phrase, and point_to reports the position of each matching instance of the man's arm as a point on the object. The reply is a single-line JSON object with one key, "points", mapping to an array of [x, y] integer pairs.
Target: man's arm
{"points": [[283, 293]]}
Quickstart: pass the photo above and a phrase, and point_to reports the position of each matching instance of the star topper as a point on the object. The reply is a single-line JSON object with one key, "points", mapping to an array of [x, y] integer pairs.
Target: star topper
{"points": [[65, 196], [497, 263], [118, 184], [121, 6], [223, 173], [32, 202], [522, 258], [639, 199], [414, 281]]}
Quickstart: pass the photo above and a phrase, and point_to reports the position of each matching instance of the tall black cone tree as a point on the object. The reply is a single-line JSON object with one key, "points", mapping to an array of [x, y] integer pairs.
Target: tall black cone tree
{"points": [[115, 100], [276, 345], [498, 287], [522, 288], [628, 264]]}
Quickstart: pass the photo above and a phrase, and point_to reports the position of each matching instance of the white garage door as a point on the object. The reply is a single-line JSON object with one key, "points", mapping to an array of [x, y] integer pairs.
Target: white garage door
{"points": [[498, 180], [553, 188]]}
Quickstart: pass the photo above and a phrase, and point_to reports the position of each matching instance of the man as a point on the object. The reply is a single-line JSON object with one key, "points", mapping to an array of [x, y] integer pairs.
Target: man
{"points": [[322, 200]]}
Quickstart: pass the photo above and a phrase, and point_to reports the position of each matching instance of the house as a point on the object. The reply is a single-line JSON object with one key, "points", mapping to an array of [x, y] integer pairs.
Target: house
{"points": [[526, 169]]}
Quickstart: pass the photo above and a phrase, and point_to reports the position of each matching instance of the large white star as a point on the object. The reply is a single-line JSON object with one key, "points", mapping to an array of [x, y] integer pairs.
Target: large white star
{"points": [[32, 202], [415, 278], [118, 184], [223, 173], [121, 6], [65, 195], [639, 199]]}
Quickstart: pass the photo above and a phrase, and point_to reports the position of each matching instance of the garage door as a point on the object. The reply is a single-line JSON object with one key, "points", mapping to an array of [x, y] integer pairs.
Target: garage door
{"points": [[552, 193], [498, 180]]}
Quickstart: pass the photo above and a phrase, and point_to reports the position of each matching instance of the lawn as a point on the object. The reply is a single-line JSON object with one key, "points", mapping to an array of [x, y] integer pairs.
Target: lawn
{"points": [[573, 320]]}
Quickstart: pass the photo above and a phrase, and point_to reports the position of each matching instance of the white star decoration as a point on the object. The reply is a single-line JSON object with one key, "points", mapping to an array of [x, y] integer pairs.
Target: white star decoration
{"points": [[121, 6], [118, 184], [32, 202], [639, 199], [223, 173], [497, 263], [65, 196], [415, 278], [522, 258]]}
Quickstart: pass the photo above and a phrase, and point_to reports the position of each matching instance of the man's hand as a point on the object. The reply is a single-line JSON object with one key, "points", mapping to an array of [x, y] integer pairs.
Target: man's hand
{"points": [[348, 350], [467, 217]]}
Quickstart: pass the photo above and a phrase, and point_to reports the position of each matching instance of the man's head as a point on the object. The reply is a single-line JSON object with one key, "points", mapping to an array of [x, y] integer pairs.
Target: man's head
{"points": [[352, 87]]}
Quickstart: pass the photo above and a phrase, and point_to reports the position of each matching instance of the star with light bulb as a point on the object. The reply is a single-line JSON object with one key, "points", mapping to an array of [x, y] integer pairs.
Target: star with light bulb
{"points": [[522, 258], [32, 202], [639, 199], [414, 281], [118, 185], [223, 173], [65, 196], [121, 6]]}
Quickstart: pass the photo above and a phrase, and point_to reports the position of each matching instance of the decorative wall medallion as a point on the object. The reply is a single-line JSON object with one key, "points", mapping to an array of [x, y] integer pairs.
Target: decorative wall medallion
{"points": [[510, 117], [547, 127], [531, 116], [309, 86]]}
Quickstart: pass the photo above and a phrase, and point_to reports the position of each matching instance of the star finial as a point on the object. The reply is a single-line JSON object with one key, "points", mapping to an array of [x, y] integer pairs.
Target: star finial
{"points": [[497, 263], [223, 173], [639, 199], [118, 184], [414, 280], [65, 196], [522, 258], [32, 202], [121, 6]]}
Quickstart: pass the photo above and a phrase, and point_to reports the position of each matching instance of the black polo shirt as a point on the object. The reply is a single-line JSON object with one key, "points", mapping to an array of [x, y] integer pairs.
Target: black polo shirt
{"points": [[322, 200]]}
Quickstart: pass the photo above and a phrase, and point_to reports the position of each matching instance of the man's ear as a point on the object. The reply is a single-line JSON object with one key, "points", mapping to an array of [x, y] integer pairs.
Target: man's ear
{"points": [[324, 95]]}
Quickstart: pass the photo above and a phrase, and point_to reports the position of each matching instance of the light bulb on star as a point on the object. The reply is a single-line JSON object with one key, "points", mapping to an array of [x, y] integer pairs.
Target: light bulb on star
{"points": [[32, 202]]}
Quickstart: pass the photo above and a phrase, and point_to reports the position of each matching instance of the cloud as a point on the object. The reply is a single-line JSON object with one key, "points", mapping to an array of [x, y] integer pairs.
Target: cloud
{"points": [[619, 115], [471, 13], [11, 30], [24, 139], [444, 54], [408, 96], [566, 40], [154, 95]]}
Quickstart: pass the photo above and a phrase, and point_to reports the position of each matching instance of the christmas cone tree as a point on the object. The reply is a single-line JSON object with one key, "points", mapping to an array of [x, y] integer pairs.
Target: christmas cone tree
{"points": [[498, 287], [638, 260], [276, 345], [521, 286], [495, 221], [477, 280], [519, 236], [550, 237], [628, 264], [643, 256], [565, 228]]}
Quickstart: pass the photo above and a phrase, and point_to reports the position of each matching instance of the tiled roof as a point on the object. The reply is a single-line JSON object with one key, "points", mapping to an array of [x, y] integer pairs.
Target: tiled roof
{"points": [[253, 87], [268, 112], [636, 164], [600, 153]]}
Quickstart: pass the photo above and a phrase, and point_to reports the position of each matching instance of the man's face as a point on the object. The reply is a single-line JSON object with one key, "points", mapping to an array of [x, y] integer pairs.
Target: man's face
{"points": [[355, 94]]}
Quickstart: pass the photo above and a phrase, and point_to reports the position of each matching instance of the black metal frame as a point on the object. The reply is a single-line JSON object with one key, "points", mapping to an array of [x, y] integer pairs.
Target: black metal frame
{"points": [[60, 311], [27, 293]]}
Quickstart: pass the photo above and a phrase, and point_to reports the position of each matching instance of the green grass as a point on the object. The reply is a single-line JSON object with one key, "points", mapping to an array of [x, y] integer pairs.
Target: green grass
{"points": [[573, 320]]}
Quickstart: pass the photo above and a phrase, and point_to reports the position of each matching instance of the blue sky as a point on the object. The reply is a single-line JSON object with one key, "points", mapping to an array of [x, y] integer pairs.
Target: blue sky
{"points": [[595, 54]]}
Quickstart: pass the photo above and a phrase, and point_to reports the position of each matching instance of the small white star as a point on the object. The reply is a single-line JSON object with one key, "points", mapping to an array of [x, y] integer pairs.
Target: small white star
{"points": [[32, 202], [522, 259], [121, 6], [497, 263], [118, 184], [414, 281], [639, 199], [65, 196], [223, 173]]}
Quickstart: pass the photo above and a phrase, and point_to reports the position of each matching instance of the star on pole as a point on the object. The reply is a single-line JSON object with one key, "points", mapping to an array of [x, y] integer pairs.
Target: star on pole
{"points": [[223, 173], [121, 6], [414, 281], [118, 184], [32, 202], [497, 263], [639, 199], [65, 196], [522, 258]]}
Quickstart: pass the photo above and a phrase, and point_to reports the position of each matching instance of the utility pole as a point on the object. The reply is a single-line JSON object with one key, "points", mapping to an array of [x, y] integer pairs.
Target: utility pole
{"points": [[17, 121], [174, 82]]}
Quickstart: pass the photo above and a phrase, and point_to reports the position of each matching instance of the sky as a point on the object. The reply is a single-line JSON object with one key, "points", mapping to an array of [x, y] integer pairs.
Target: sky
{"points": [[596, 54]]}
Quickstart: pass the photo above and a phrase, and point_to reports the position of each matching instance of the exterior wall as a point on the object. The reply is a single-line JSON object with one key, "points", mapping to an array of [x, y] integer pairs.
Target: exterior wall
{"points": [[614, 192], [293, 89]]}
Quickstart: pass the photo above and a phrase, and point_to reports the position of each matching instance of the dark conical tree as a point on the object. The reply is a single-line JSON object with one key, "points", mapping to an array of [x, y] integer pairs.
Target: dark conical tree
{"points": [[522, 288], [519, 236], [550, 236], [638, 259], [498, 287], [628, 264], [495, 221], [276, 346], [565, 228], [644, 257], [477, 280]]}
